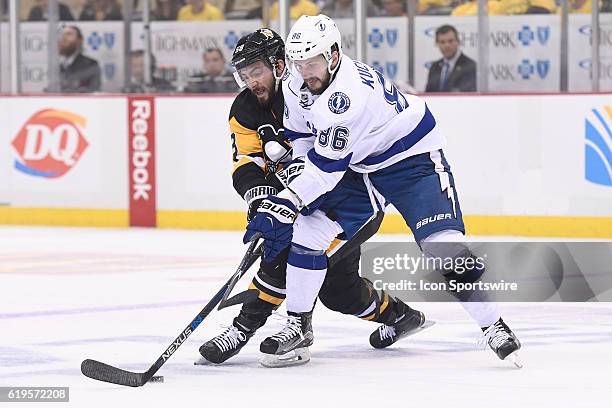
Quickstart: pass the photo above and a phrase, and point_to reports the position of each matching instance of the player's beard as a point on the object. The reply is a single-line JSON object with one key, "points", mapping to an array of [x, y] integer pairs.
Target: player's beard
{"points": [[264, 96], [320, 84]]}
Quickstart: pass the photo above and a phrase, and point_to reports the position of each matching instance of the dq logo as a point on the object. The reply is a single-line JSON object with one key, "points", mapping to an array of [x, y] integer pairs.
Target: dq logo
{"points": [[50, 143], [598, 146]]}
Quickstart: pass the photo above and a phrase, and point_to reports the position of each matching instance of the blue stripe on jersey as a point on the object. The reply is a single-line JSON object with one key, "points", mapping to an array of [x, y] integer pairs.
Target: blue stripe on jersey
{"points": [[292, 135], [311, 262], [425, 126], [329, 165]]}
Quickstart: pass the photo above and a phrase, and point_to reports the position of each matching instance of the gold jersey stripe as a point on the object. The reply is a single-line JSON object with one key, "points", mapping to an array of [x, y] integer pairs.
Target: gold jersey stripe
{"points": [[247, 140]]}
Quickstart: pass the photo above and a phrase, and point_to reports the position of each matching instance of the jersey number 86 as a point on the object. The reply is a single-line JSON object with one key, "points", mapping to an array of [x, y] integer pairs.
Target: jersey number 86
{"points": [[338, 137]]}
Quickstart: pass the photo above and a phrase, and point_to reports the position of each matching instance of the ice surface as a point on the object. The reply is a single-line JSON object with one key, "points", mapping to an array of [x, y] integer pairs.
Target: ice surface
{"points": [[122, 296]]}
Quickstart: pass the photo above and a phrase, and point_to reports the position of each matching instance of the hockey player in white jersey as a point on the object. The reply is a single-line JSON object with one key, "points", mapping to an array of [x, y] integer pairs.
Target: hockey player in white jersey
{"points": [[359, 122]]}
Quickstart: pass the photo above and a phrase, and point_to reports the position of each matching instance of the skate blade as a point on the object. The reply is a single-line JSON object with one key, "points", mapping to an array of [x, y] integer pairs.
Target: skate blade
{"points": [[426, 325], [295, 357], [514, 359]]}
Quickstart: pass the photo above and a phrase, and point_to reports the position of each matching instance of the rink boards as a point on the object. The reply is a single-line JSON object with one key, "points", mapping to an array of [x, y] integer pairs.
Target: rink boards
{"points": [[531, 165]]}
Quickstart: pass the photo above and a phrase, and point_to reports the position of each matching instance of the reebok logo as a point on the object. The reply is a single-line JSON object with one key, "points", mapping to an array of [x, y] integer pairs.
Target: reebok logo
{"points": [[141, 154]]}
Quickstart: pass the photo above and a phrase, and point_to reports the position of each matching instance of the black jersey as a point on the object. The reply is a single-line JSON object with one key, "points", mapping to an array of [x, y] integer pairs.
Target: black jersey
{"points": [[252, 128]]}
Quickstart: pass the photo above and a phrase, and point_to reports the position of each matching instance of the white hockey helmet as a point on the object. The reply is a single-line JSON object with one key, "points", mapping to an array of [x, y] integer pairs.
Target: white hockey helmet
{"points": [[311, 36]]}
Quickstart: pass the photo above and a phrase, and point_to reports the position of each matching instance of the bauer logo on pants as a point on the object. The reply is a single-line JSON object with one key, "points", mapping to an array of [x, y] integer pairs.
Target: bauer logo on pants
{"points": [[50, 143]]}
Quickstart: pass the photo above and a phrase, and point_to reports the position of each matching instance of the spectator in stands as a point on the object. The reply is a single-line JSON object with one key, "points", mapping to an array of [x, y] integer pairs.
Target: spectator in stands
{"points": [[137, 81], [454, 72], [346, 9], [297, 9], [470, 8], [435, 7], [393, 8], [38, 12], [199, 10], [507, 7], [542, 7], [101, 10], [166, 10], [514, 7], [580, 6], [216, 77], [78, 73]]}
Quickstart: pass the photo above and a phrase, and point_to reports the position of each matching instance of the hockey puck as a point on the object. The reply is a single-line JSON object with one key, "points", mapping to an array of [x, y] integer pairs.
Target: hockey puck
{"points": [[157, 378]]}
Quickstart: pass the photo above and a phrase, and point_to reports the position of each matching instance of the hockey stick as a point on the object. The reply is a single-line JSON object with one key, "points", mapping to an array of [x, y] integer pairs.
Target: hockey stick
{"points": [[365, 233], [104, 372]]}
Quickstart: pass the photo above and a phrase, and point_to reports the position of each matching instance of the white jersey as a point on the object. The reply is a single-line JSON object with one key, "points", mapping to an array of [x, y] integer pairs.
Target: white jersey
{"points": [[361, 121]]}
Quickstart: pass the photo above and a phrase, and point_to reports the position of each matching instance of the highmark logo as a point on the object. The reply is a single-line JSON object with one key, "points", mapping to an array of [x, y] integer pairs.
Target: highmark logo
{"points": [[50, 143], [598, 146]]}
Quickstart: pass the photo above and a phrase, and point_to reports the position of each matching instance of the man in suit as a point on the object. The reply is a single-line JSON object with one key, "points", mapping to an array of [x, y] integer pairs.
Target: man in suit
{"points": [[454, 72], [78, 73]]}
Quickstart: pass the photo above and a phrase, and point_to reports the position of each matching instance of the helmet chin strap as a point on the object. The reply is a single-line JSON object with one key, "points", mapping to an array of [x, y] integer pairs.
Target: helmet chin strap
{"points": [[329, 57], [277, 78], [332, 72]]}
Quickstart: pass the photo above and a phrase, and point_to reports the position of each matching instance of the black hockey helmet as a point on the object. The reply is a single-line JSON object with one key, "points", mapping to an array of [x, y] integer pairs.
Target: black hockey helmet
{"points": [[261, 45]]}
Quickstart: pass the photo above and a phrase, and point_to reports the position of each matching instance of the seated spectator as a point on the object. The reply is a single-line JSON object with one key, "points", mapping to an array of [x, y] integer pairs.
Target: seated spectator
{"points": [[346, 9], [454, 72], [580, 6], [166, 10], [508, 7], [393, 8], [39, 11], [514, 7], [78, 73], [542, 7], [216, 77], [199, 10], [438, 7], [470, 8], [137, 81], [101, 10], [297, 9]]}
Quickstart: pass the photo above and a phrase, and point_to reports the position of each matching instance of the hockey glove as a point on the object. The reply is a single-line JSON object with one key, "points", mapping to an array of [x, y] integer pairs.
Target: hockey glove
{"points": [[274, 220], [290, 171], [255, 195]]}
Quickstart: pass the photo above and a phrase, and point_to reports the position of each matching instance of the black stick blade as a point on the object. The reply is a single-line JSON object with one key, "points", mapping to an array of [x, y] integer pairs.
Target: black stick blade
{"points": [[104, 372]]}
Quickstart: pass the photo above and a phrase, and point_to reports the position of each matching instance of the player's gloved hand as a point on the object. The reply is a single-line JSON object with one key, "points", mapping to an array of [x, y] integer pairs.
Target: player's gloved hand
{"points": [[274, 220], [290, 171], [255, 195]]}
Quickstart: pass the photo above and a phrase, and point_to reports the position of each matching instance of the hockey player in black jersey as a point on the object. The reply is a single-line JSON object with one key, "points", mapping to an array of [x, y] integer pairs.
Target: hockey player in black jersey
{"points": [[262, 166]]}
